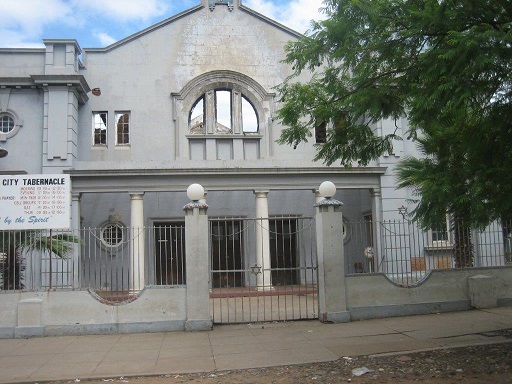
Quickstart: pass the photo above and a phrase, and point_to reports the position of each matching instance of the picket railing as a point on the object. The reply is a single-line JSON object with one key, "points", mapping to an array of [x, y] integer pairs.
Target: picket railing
{"points": [[113, 264]]}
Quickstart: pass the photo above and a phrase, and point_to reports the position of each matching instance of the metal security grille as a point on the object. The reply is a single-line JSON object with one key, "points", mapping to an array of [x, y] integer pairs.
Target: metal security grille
{"points": [[263, 269]]}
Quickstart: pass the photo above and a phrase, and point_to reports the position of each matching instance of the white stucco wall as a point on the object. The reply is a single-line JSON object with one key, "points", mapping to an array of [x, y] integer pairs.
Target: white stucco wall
{"points": [[372, 296], [77, 312], [139, 75]]}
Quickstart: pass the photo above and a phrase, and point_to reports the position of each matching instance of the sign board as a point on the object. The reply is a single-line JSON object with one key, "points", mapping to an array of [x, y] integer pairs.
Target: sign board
{"points": [[35, 202]]}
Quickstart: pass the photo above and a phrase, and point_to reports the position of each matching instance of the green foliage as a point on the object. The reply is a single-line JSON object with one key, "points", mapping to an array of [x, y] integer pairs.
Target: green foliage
{"points": [[14, 243], [444, 64]]}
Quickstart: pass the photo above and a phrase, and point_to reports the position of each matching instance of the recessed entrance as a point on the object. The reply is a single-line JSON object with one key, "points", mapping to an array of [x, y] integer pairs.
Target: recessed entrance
{"points": [[283, 251], [227, 253], [170, 253]]}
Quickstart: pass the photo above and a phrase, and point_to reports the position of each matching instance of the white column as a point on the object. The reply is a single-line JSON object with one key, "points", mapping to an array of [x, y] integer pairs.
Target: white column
{"points": [[377, 233], [137, 242], [75, 211], [318, 196], [263, 279], [203, 199], [75, 227]]}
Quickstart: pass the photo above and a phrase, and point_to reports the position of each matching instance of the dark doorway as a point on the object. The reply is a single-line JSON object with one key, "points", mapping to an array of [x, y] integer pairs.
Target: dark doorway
{"points": [[170, 253], [283, 251], [227, 253]]}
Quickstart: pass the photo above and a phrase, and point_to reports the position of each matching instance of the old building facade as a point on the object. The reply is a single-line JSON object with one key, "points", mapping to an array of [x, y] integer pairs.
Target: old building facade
{"points": [[188, 100]]}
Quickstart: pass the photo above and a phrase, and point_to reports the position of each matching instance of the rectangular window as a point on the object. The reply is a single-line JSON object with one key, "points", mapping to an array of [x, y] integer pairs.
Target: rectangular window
{"points": [[223, 111], [320, 132], [441, 235], [122, 128], [99, 128]]}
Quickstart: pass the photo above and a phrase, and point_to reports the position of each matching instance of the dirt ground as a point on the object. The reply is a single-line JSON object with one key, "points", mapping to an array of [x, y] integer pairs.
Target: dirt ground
{"points": [[468, 365]]}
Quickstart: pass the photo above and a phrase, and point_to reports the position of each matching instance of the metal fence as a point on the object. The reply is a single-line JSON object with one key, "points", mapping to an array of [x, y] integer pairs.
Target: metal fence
{"points": [[263, 269], [116, 262], [406, 253], [113, 262]]}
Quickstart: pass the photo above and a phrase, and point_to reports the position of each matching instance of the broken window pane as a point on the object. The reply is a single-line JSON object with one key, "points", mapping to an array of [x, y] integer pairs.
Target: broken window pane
{"points": [[196, 119], [249, 117], [223, 111], [123, 128], [99, 126]]}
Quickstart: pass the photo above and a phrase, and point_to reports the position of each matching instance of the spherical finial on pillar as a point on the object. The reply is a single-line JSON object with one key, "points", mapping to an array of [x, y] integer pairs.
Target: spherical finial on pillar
{"points": [[327, 189], [195, 192]]}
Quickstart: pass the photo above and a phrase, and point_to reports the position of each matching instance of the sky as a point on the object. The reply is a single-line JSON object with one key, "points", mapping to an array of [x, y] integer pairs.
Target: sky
{"points": [[99, 23]]}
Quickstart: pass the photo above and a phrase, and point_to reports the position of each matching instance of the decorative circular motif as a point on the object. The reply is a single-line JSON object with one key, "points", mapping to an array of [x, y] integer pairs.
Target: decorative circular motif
{"points": [[112, 235]]}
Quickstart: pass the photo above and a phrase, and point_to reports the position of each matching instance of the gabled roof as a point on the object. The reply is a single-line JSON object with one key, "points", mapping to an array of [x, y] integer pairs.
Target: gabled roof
{"points": [[186, 13]]}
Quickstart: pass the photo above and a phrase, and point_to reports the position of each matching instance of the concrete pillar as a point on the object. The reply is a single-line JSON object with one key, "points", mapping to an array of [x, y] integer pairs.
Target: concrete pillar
{"points": [[137, 242], [263, 279], [197, 267], [75, 227], [332, 300]]}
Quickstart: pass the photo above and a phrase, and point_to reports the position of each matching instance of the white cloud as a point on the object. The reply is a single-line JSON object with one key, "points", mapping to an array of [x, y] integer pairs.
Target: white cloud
{"points": [[13, 39], [264, 7], [295, 14], [24, 21], [104, 38], [124, 9]]}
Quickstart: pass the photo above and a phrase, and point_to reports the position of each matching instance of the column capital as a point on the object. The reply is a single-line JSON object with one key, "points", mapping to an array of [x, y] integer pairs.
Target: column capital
{"points": [[329, 202], [76, 196], [376, 191], [201, 207], [136, 195], [261, 193], [318, 196]]}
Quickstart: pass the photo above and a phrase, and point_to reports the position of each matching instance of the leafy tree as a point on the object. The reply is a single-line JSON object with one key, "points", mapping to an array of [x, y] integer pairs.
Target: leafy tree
{"points": [[439, 180], [444, 64], [14, 243]]}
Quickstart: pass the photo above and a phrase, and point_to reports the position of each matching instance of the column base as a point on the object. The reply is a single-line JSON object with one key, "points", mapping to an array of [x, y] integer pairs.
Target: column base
{"points": [[265, 288]]}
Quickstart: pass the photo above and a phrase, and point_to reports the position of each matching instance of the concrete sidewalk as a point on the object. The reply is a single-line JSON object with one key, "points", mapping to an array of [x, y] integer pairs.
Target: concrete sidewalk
{"points": [[231, 347]]}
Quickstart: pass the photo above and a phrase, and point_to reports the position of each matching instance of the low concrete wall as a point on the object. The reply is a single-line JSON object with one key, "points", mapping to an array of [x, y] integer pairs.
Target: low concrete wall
{"points": [[374, 296], [160, 309], [78, 312]]}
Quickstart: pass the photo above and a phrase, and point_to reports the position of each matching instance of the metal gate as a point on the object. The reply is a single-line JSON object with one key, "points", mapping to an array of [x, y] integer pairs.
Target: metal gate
{"points": [[263, 269]]}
